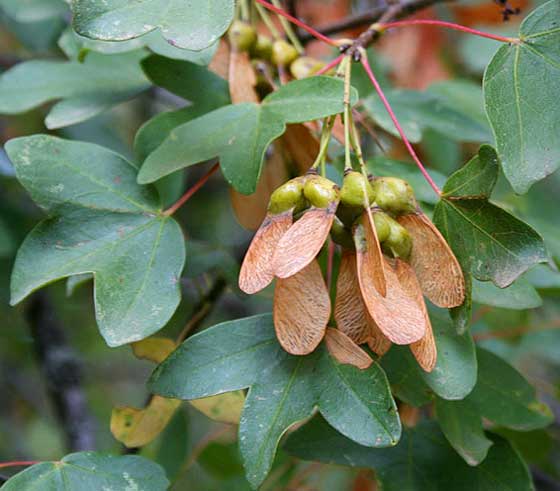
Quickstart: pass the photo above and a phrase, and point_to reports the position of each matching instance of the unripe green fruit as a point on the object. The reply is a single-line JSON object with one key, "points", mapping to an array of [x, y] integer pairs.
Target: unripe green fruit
{"points": [[356, 190], [305, 66], [382, 225], [341, 235], [242, 36], [283, 53], [399, 241], [394, 195], [262, 47], [320, 192], [287, 197]]}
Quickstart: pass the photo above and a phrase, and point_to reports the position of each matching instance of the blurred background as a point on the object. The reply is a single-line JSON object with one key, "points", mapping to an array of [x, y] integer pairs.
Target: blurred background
{"points": [[59, 382]]}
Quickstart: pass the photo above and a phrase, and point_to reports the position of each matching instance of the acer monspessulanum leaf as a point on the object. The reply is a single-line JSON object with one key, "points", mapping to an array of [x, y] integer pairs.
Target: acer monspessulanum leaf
{"points": [[391, 312]]}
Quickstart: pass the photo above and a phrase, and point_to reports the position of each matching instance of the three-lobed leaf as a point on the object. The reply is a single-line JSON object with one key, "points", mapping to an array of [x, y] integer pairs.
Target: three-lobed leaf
{"points": [[192, 25], [522, 88], [490, 243], [239, 134], [102, 222], [283, 389], [91, 471]]}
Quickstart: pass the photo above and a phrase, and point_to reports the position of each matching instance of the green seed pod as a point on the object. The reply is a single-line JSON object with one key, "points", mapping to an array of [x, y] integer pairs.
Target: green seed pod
{"points": [[262, 48], [399, 241], [283, 53], [287, 197], [382, 225], [242, 36], [305, 66], [320, 192], [394, 195], [341, 235], [354, 188]]}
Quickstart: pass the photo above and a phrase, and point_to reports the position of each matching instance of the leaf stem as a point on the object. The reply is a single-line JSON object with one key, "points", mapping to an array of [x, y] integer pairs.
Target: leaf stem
{"points": [[172, 209], [347, 77], [330, 65], [440, 23], [393, 117], [288, 29], [19, 463], [267, 21], [328, 124], [297, 22]]}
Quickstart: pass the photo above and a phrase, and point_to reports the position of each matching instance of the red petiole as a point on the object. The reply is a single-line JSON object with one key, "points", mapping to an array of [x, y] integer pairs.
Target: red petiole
{"points": [[447, 25], [172, 209], [19, 463], [297, 22], [393, 117]]}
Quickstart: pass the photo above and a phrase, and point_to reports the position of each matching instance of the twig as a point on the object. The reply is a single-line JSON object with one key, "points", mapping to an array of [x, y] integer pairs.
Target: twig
{"points": [[406, 8], [515, 331], [203, 308], [19, 463], [62, 371]]}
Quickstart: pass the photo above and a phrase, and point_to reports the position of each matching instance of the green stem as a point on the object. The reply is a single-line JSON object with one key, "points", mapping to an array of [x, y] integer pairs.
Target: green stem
{"points": [[357, 146], [288, 29], [267, 21], [347, 116], [324, 144], [244, 10]]}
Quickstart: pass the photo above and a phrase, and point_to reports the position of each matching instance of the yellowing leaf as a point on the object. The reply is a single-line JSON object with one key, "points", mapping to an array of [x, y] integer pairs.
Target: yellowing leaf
{"points": [[137, 427], [153, 349], [225, 408]]}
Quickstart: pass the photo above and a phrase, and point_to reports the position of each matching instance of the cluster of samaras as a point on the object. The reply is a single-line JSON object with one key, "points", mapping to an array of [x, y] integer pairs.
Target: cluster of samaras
{"points": [[392, 255]]}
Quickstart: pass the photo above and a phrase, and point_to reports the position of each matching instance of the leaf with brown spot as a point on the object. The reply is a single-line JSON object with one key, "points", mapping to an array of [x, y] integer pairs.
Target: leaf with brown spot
{"points": [[137, 427], [302, 242], [250, 210], [257, 271], [346, 351], [436, 267], [302, 145], [220, 63], [397, 315], [302, 308], [242, 78], [424, 350]]}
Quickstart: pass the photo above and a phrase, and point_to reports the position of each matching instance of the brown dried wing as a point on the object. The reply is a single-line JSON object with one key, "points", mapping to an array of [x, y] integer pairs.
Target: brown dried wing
{"points": [[250, 210], [346, 351], [256, 271], [436, 267], [220, 62], [302, 242], [242, 78], [424, 350], [374, 255], [302, 145], [377, 341], [397, 315], [350, 313], [301, 310]]}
